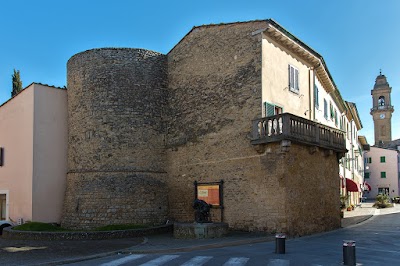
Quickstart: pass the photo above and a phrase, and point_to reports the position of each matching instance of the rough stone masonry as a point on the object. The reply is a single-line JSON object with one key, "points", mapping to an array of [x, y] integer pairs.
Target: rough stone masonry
{"points": [[144, 126]]}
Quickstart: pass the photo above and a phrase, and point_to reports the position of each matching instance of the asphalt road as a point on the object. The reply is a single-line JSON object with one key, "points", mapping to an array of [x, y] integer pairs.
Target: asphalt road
{"points": [[377, 243], [28, 252]]}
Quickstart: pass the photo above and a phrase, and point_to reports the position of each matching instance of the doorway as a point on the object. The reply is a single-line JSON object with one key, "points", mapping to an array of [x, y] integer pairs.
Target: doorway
{"points": [[3, 207]]}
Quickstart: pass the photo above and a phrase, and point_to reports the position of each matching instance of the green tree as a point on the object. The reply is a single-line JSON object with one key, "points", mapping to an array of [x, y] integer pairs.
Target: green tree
{"points": [[16, 83]]}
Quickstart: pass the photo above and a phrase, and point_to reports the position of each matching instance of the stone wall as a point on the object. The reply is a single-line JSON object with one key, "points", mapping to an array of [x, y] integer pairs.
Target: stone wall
{"points": [[214, 78], [136, 148], [214, 92], [116, 155]]}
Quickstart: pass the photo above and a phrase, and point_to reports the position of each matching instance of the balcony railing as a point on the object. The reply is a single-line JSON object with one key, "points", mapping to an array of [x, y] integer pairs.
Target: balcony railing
{"points": [[383, 108], [290, 127]]}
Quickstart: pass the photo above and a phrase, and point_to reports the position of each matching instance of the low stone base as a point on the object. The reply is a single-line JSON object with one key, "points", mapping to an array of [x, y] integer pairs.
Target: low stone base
{"points": [[200, 230]]}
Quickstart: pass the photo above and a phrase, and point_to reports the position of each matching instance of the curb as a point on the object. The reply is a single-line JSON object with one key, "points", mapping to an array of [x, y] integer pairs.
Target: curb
{"points": [[199, 247], [9, 233]]}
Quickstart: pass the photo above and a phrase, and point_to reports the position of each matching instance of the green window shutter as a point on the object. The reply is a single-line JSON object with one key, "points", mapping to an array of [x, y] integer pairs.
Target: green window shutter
{"points": [[369, 160], [316, 97], [269, 109], [366, 175], [383, 174], [383, 159], [336, 120]]}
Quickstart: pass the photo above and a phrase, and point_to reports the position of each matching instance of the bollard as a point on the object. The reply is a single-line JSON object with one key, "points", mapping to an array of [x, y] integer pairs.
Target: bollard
{"points": [[349, 252], [280, 243]]}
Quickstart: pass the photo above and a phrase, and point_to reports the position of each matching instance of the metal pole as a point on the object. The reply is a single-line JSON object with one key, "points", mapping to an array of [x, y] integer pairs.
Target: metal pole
{"points": [[349, 252], [280, 243]]}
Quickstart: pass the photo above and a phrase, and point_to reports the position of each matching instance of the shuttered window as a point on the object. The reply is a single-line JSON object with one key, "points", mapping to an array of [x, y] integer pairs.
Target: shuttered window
{"points": [[325, 109], [293, 79], [272, 109], [316, 97]]}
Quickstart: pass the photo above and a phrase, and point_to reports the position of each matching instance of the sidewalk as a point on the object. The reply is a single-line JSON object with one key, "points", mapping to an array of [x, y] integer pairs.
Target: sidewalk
{"points": [[166, 243], [359, 214]]}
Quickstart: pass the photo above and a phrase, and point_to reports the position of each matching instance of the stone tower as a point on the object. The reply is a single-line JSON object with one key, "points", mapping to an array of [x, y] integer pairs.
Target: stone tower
{"points": [[116, 155], [382, 110]]}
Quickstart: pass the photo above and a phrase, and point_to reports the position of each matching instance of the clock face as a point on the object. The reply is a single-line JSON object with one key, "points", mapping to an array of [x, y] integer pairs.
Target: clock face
{"points": [[382, 116]]}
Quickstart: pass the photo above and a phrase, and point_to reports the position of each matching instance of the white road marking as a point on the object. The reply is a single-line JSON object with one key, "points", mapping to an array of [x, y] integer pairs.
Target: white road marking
{"points": [[197, 261], [278, 262], [160, 261], [123, 260], [236, 261]]}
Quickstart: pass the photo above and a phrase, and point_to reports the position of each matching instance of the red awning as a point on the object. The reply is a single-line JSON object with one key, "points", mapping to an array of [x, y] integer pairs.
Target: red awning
{"points": [[367, 187], [352, 186]]}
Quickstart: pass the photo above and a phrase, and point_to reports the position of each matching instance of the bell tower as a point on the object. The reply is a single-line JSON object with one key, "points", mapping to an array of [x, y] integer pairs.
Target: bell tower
{"points": [[382, 110]]}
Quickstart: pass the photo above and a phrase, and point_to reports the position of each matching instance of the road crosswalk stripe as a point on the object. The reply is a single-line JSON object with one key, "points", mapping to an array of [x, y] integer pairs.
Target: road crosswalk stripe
{"points": [[161, 260], [123, 260], [236, 261], [197, 261], [278, 262]]}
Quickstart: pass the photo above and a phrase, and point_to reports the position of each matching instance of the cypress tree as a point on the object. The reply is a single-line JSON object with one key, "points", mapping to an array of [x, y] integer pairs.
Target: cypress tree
{"points": [[16, 83]]}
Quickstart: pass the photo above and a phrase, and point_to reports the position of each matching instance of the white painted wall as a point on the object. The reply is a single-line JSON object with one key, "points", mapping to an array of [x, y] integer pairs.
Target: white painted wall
{"points": [[275, 62]]}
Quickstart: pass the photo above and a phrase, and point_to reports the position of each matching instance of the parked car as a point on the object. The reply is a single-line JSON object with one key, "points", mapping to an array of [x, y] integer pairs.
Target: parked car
{"points": [[4, 224]]}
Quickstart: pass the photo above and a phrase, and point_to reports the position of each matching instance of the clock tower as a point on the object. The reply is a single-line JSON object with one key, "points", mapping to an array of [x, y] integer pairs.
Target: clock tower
{"points": [[382, 110]]}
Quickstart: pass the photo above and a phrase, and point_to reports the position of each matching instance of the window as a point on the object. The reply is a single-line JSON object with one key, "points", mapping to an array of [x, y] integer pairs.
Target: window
{"points": [[348, 131], [325, 109], [383, 190], [1, 156], [381, 101], [271, 109], [341, 123], [383, 174], [3, 207], [336, 120], [383, 159], [316, 97], [331, 110], [366, 175], [368, 160], [293, 79]]}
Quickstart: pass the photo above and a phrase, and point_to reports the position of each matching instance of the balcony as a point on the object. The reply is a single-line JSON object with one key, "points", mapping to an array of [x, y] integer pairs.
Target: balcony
{"points": [[296, 129], [383, 108]]}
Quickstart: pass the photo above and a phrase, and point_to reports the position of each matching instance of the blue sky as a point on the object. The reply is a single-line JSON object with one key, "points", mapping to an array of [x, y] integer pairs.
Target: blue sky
{"points": [[357, 38]]}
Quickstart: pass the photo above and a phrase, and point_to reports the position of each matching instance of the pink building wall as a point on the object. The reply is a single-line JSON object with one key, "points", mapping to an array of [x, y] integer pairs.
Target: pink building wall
{"points": [[33, 134], [390, 167]]}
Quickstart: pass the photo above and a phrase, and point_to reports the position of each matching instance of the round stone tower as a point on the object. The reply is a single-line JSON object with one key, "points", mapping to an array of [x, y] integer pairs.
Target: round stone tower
{"points": [[116, 156]]}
